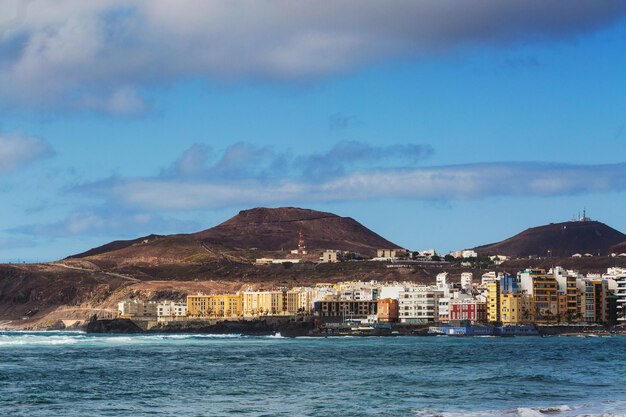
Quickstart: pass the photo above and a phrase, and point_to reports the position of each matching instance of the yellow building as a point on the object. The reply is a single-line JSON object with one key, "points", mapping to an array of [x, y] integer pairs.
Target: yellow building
{"points": [[493, 301], [265, 303], [209, 306], [516, 308], [544, 290]]}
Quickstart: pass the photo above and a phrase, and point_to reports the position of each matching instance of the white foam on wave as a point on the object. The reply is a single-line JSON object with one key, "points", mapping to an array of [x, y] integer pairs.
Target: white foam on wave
{"points": [[74, 338], [604, 409], [37, 340]]}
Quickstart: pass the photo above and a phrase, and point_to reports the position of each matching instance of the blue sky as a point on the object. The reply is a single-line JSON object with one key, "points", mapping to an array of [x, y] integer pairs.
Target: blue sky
{"points": [[433, 123]]}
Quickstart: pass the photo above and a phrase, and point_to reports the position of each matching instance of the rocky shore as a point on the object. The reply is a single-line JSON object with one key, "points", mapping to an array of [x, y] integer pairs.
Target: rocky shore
{"points": [[286, 326]]}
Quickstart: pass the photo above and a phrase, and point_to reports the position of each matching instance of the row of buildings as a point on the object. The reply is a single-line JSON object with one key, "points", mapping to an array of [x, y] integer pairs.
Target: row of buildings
{"points": [[531, 296]]}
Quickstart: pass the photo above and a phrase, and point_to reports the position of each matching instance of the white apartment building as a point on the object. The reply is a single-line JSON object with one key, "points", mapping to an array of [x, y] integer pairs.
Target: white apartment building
{"points": [[467, 280], [419, 304], [171, 309], [619, 275]]}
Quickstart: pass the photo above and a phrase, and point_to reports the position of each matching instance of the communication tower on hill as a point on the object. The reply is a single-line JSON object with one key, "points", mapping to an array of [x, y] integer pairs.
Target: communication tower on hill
{"points": [[301, 246]]}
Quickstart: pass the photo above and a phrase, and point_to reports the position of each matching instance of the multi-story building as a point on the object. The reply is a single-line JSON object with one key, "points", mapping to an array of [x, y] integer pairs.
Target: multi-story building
{"points": [[466, 281], [388, 310], [516, 308], [616, 300], [264, 303], [468, 309], [620, 293], [443, 310], [507, 303], [488, 277], [221, 305], [493, 301], [567, 294], [171, 309], [419, 304], [137, 308], [594, 300], [543, 288], [345, 309]]}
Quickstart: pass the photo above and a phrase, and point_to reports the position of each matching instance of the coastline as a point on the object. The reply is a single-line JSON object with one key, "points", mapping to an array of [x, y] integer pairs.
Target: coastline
{"points": [[303, 326]]}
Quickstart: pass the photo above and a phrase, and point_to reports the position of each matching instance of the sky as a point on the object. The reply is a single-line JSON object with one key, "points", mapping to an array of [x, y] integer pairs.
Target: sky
{"points": [[439, 125]]}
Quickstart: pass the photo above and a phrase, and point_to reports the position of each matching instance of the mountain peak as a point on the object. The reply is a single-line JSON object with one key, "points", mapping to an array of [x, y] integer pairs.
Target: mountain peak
{"points": [[279, 214], [558, 240]]}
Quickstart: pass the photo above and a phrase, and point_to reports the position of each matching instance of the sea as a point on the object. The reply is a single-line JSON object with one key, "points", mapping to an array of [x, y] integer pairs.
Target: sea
{"points": [[77, 374]]}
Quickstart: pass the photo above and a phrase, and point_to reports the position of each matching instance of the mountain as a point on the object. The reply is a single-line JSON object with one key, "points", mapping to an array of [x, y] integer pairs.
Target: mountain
{"points": [[280, 229], [558, 240], [255, 230]]}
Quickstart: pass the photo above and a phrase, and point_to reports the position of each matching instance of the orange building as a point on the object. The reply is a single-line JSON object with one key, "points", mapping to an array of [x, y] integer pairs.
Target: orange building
{"points": [[388, 310]]}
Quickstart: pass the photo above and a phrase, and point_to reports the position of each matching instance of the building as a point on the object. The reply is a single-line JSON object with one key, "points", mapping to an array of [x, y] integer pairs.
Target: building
{"points": [[469, 254], [272, 261], [516, 308], [493, 301], [443, 310], [346, 310], [543, 288], [620, 293], [594, 300], [469, 309], [488, 277], [388, 311], [466, 281], [419, 304], [567, 294], [137, 308], [330, 256], [264, 303], [507, 303], [391, 290], [386, 253], [171, 309], [212, 306]]}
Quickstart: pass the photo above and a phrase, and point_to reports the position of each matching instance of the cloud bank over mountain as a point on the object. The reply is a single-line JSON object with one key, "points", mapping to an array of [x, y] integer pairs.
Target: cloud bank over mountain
{"points": [[249, 175]]}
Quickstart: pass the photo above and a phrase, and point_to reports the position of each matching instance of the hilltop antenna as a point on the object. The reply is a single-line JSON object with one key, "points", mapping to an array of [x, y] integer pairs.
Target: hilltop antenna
{"points": [[301, 246]]}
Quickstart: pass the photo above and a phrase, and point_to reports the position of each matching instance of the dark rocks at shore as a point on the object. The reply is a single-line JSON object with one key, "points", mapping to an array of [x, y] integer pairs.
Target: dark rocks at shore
{"points": [[126, 326], [288, 327]]}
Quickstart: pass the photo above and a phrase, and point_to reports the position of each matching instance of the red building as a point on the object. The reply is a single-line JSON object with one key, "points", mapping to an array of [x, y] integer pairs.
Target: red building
{"points": [[468, 309]]}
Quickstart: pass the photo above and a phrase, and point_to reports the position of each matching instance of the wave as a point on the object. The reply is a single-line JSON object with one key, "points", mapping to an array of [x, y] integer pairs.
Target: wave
{"points": [[603, 409], [77, 338]]}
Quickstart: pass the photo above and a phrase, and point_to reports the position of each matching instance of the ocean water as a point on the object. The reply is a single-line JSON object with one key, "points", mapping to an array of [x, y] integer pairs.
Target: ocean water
{"points": [[75, 374]]}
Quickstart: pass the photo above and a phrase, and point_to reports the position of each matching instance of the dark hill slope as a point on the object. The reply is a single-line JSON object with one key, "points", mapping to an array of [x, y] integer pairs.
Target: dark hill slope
{"points": [[558, 239], [262, 229], [279, 229]]}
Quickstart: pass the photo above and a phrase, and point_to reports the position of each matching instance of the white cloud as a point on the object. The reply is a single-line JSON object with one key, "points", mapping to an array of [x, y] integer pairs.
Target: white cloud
{"points": [[103, 221], [80, 51], [17, 150], [472, 181]]}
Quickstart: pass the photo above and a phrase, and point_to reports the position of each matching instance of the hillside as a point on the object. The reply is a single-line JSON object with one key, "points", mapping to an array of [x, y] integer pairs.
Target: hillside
{"points": [[113, 246], [242, 238], [558, 240], [279, 229]]}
